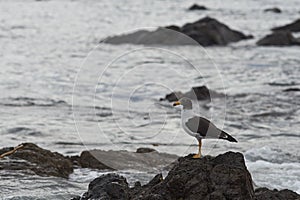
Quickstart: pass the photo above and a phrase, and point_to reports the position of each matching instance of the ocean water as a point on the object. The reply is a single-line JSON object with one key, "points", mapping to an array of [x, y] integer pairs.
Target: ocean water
{"points": [[65, 91]]}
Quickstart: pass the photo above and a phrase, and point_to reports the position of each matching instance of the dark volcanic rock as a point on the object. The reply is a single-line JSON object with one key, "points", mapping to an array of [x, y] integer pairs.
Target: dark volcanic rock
{"points": [[292, 27], [206, 31], [222, 177], [266, 194], [109, 186], [274, 10], [197, 7], [196, 93], [279, 38], [37, 160]]}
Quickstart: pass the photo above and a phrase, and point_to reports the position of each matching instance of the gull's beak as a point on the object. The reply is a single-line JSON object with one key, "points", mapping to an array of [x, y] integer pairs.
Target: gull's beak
{"points": [[176, 103]]}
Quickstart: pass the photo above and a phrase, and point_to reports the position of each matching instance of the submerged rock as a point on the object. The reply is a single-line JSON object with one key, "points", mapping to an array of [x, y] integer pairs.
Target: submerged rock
{"points": [[196, 93], [279, 38], [31, 158], [274, 10], [197, 7], [206, 32], [292, 27]]}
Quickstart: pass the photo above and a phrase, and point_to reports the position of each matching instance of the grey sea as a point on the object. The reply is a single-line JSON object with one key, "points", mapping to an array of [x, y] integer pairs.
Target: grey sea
{"points": [[63, 90]]}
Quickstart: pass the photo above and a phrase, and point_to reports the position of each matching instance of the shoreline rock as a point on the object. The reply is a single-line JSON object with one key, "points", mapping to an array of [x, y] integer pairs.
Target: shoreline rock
{"points": [[35, 160], [206, 32], [42, 162], [222, 177]]}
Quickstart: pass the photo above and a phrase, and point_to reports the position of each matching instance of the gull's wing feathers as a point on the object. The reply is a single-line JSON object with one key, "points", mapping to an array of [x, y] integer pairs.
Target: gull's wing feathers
{"points": [[201, 126], [207, 129]]}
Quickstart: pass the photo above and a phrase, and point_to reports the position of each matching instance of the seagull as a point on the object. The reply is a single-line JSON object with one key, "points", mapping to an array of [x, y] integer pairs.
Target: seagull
{"points": [[199, 127]]}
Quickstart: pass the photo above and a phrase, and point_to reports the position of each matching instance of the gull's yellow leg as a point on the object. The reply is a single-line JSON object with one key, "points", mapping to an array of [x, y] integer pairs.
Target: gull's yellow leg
{"points": [[198, 155]]}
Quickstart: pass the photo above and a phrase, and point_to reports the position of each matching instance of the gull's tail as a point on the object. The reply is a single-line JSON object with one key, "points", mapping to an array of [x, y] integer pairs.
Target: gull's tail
{"points": [[226, 136]]}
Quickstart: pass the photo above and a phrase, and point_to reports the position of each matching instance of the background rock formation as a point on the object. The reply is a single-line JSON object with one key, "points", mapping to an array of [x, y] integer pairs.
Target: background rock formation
{"points": [[279, 38], [206, 32]]}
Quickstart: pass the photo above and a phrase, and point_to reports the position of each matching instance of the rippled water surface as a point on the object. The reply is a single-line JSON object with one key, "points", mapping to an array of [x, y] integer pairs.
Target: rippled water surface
{"points": [[115, 98]]}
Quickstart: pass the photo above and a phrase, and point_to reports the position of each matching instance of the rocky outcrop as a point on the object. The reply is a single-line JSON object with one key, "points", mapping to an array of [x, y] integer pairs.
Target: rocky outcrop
{"points": [[206, 32], [196, 93], [279, 38], [222, 177], [31, 158], [197, 7], [292, 27], [274, 10]]}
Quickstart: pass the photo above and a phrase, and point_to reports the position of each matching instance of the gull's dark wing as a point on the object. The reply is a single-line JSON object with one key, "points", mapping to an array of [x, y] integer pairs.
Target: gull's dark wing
{"points": [[200, 125], [207, 129]]}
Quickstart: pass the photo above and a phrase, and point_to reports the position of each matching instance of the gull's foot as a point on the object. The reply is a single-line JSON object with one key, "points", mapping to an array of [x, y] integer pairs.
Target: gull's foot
{"points": [[197, 156]]}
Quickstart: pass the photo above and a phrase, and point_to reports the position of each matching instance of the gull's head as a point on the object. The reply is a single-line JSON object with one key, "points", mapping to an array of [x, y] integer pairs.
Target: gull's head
{"points": [[185, 102]]}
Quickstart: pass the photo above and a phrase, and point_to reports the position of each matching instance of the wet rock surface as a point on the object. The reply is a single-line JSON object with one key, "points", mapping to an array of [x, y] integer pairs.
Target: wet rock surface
{"points": [[142, 159], [33, 159], [196, 93], [206, 32], [279, 38]]}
